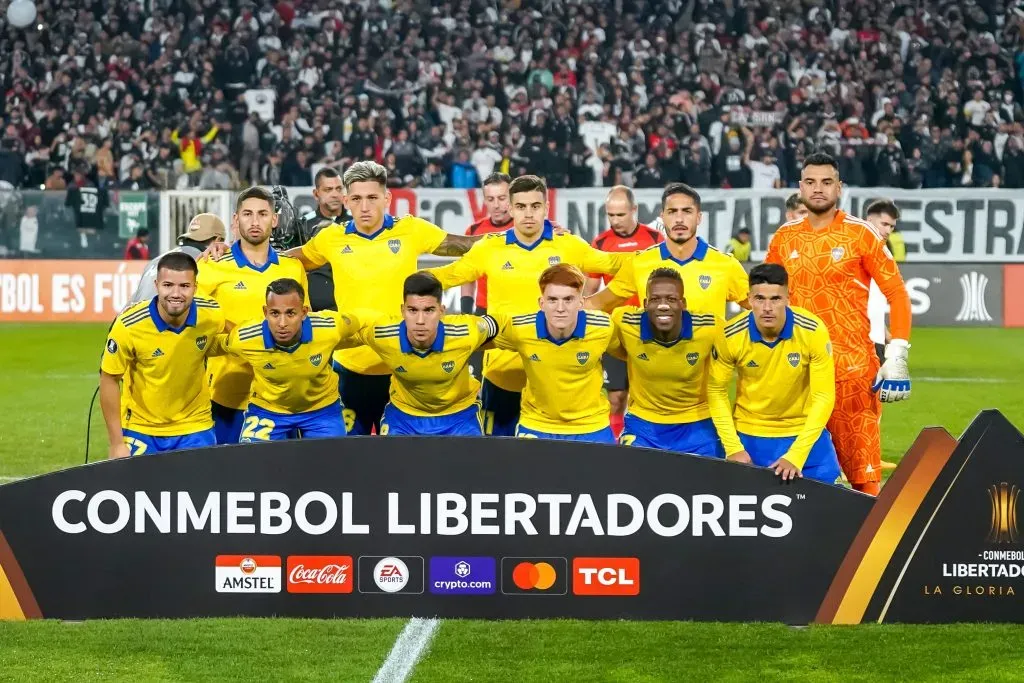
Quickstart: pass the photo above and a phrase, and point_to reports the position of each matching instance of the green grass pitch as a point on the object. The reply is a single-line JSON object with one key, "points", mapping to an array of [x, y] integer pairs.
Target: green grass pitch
{"points": [[49, 375]]}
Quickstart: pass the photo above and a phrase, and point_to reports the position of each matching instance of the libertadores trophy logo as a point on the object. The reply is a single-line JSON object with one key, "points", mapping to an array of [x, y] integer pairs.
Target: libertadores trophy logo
{"points": [[1003, 497]]}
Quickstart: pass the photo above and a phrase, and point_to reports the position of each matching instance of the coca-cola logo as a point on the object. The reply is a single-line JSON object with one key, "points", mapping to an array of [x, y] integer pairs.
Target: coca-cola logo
{"points": [[320, 574], [331, 573]]}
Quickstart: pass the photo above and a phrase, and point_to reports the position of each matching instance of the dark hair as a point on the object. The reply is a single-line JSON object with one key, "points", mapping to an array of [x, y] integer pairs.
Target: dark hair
{"points": [[769, 274], [794, 202], [665, 274], [177, 261], [680, 188], [325, 172], [257, 192], [141, 232], [886, 206], [821, 159], [422, 284], [497, 179], [527, 183], [286, 285]]}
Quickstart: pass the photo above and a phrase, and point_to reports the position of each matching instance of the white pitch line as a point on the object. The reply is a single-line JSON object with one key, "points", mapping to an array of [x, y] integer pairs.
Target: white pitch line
{"points": [[963, 380], [410, 645], [7, 480]]}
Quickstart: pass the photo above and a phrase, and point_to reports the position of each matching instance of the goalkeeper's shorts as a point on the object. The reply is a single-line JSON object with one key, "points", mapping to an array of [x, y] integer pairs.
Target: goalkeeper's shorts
{"points": [[144, 444], [822, 463], [601, 436], [463, 423], [698, 438]]}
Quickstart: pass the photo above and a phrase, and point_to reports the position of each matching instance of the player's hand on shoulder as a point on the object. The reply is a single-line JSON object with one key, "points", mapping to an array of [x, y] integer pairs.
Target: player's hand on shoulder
{"points": [[119, 450], [741, 457], [785, 469], [558, 229], [214, 251]]}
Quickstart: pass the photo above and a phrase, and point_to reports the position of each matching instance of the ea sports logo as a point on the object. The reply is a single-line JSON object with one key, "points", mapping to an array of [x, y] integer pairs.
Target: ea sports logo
{"points": [[247, 565], [391, 574]]}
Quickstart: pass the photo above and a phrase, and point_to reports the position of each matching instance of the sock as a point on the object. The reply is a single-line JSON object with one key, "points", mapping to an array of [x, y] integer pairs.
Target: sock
{"points": [[872, 488], [617, 425]]}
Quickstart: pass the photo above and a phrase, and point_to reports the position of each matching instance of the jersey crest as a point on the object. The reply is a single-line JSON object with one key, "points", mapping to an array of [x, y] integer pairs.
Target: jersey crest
{"points": [[316, 359], [692, 358], [448, 366], [201, 342], [394, 245], [582, 357], [704, 281], [794, 359]]}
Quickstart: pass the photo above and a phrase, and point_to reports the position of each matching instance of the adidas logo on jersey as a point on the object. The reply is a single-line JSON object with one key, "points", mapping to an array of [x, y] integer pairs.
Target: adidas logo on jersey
{"points": [[753, 364], [158, 353], [642, 356], [535, 358], [346, 250], [400, 369], [794, 254], [507, 266], [240, 285], [268, 366]]}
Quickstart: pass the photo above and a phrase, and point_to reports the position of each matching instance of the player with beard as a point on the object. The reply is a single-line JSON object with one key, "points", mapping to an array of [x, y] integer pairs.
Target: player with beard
{"points": [[831, 258], [238, 281], [624, 234], [329, 193], [710, 278]]}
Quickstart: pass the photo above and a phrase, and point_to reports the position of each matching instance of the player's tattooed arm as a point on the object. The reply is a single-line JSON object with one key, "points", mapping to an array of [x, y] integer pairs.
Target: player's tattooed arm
{"points": [[456, 245]]}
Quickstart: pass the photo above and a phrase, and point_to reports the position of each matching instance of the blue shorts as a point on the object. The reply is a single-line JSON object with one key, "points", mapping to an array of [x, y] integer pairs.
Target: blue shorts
{"points": [[822, 463], [264, 425], [144, 444], [227, 423], [500, 408], [463, 423], [600, 436], [698, 438]]}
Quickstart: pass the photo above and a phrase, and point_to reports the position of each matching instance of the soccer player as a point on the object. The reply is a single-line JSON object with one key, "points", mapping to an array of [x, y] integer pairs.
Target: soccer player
{"points": [[295, 391], [512, 261], [329, 193], [561, 348], [831, 258], [667, 350], [432, 390], [499, 219], [159, 347], [786, 383], [370, 257], [710, 278], [238, 281], [795, 208], [624, 234]]}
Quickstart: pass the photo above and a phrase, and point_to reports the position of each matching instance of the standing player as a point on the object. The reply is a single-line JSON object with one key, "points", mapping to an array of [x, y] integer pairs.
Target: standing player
{"points": [[667, 350], [370, 257], [238, 281], [159, 347], [295, 392], [329, 193], [499, 219], [561, 348], [624, 234], [831, 258], [512, 261], [796, 210], [710, 278], [432, 390], [786, 386]]}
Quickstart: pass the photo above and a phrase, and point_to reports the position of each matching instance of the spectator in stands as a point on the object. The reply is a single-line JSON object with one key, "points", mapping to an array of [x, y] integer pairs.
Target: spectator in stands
{"points": [[137, 248]]}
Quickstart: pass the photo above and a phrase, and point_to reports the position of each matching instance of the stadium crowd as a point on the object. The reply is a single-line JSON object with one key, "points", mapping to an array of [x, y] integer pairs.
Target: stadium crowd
{"points": [[220, 94]]}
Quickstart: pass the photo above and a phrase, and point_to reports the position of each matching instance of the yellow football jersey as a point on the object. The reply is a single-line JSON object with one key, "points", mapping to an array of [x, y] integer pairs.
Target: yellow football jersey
{"points": [[298, 379], [437, 381], [512, 270], [164, 392], [564, 379], [784, 388], [241, 290], [668, 384], [370, 271], [710, 278]]}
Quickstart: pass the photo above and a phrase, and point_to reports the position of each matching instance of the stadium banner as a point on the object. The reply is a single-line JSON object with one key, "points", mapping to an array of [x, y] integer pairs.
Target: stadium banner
{"points": [[66, 291], [955, 295], [413, 526], [1013, 302], [937, 225], [506, 528]]}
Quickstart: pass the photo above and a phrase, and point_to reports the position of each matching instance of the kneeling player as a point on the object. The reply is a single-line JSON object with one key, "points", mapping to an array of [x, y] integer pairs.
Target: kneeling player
{"points": [[295, 392], [786, 386], [428, 353], [561, 347], [160, 347], [668, 352]]}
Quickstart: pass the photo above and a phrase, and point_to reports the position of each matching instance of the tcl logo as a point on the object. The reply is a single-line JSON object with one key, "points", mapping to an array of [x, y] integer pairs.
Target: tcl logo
{"points": [[320, 574], [606, 576]]}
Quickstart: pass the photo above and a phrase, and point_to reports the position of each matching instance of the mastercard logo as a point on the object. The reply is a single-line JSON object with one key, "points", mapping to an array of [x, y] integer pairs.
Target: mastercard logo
{"points": [[534, 576]]}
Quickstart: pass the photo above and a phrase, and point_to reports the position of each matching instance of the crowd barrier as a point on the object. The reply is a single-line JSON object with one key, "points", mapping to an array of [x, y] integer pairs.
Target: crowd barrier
{"points": [[505, 528]]}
